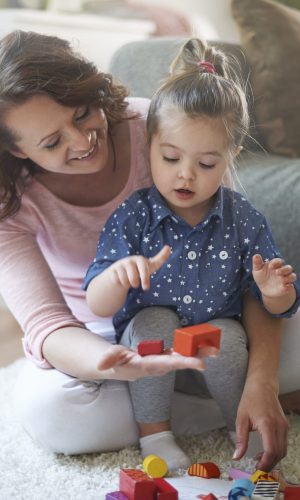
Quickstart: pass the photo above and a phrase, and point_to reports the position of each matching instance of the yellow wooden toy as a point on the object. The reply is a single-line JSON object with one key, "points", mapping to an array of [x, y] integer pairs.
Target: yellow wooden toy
{"points": [[155, 466], [260, 475]]}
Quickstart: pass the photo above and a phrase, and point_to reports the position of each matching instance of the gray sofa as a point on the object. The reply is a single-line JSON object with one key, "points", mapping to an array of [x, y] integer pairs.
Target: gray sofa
{"points": [[271, 182]]}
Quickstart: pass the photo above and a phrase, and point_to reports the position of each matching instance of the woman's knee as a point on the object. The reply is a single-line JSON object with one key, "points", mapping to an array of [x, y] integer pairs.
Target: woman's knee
{"points": [[71, 416]]}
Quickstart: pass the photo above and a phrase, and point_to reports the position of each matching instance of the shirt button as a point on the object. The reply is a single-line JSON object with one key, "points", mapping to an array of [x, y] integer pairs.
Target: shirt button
{"points": [[187, 299], [192, 255], [184, 321], [223, 255]]}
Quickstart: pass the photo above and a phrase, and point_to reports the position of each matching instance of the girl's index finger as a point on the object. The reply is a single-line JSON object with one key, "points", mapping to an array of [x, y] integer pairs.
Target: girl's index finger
{"points": [[160, 258]]}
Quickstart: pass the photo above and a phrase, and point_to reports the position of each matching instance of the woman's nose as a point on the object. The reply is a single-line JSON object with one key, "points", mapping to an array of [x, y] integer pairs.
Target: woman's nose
{"points": [[80, 140]]}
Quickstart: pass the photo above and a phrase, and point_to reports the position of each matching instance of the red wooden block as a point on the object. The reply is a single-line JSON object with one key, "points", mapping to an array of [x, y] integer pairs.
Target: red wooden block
{"points": [[210, 496], [136, 484], [187, 340], [208, 470], [292, 493], [165, 490], [150, 347]]}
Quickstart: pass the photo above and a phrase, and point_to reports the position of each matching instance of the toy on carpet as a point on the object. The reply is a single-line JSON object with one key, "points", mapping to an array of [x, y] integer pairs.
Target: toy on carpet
{"points": [[136, 484]]}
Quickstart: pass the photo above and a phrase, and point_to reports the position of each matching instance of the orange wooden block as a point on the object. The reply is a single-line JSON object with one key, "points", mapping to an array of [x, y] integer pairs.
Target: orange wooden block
{"points": [[188, 340], [208, 470]]}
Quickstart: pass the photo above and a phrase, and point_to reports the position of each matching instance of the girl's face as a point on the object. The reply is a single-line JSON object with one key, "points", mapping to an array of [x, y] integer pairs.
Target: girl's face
{"points": [[189, 157], [58, 138]]}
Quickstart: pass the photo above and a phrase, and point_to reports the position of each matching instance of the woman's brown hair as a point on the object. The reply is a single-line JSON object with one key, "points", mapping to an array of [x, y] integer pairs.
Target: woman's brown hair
{"points": [[32, 64]]}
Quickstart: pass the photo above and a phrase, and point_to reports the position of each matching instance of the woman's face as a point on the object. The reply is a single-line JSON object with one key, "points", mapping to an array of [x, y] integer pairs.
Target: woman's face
{"points": [[58, 138]]}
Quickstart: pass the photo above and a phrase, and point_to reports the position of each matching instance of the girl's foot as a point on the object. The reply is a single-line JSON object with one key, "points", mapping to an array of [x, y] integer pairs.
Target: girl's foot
{"points": [[163, 445]]}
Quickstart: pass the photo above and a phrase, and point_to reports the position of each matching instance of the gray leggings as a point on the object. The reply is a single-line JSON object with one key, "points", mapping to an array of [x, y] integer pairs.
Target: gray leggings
{"points": [[223, 379]]}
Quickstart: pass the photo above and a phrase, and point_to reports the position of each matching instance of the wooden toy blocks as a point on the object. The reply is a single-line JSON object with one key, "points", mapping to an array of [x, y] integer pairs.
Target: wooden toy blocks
{"points": [[147, 347], [241, 487], [239, 474], [165, 491], [136, 484], [155, 466], [292, 493], [267, 490], [116, 495], [188, 340], [260, 475], [208, 470]]}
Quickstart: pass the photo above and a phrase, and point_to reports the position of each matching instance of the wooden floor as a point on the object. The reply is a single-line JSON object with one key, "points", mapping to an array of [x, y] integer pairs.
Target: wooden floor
{"points": [[10, 338]]}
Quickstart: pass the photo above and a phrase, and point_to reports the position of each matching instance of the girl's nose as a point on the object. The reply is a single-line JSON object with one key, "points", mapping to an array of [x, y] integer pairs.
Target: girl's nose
{"points": [[186, 172]]}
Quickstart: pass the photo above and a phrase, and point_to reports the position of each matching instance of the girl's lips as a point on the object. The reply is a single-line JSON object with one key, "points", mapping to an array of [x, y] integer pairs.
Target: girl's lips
{"points": [[184, 194]]}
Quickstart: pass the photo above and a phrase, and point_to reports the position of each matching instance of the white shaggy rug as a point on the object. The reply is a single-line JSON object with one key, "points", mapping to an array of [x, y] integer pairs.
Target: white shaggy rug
{"points": [[28, 472]]}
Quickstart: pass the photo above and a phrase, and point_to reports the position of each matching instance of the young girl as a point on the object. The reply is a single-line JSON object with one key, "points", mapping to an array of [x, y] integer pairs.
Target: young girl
{"points": [[188, 243], [72, 148]]}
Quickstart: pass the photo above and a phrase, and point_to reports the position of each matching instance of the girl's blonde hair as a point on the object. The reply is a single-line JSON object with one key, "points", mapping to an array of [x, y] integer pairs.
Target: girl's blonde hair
{"points": [[33, 64], [203, 81]]}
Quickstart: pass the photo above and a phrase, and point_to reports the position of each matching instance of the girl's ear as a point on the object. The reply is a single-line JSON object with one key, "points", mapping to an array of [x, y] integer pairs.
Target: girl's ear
{"points": [[18, 153], [237, 151]]}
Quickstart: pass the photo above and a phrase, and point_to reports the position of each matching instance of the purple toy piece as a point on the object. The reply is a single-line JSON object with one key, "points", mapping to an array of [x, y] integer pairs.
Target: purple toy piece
{"points": [[116, 495], [239, 474]]}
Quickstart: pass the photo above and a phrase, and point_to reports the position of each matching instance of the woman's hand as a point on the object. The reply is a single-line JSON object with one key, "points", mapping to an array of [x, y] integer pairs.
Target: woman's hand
{"points": [[260, 410], [121, 363]]}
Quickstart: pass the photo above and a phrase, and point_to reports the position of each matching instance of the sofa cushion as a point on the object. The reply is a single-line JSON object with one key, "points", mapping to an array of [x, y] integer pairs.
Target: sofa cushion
{"points": [[270, 37], [272, 184]]}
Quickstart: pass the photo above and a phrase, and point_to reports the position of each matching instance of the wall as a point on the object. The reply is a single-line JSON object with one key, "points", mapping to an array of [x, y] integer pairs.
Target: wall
{"points": [[211, 18]]}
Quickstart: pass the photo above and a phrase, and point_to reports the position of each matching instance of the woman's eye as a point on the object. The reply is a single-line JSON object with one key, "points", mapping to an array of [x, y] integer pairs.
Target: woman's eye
{"points": [[53, 145], [83, 113]]}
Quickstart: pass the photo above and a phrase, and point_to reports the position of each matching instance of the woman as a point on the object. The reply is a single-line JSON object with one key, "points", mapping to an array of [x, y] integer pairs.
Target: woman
{"points": [[71, 151]]}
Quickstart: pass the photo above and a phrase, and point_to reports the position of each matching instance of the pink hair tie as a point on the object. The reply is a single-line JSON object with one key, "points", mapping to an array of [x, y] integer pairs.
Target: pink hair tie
{"points": [[208, 67]]}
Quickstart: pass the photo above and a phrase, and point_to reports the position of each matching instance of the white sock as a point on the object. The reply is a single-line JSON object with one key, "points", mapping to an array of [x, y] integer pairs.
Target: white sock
{"points": [[163, 445]]}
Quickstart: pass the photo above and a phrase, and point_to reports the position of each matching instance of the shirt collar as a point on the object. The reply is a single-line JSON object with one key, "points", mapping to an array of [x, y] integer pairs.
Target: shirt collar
{"points": [[160, 210]]}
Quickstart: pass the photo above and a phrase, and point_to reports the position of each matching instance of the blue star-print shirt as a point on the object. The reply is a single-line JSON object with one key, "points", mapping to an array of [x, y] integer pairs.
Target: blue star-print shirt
{"points": [[210, 265]]}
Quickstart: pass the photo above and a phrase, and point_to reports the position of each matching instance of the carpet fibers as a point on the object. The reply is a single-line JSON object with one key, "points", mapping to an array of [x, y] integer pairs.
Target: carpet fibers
{"points": [[28, 472]]}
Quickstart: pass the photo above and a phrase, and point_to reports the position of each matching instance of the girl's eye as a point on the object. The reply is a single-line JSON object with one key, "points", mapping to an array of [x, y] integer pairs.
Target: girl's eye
{"points": [[171, 160], [83, 113], [205, 165], [53, 145]]}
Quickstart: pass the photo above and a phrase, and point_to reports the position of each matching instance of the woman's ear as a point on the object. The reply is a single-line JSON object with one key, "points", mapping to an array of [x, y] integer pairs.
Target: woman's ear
{"points": [[18, 153]]}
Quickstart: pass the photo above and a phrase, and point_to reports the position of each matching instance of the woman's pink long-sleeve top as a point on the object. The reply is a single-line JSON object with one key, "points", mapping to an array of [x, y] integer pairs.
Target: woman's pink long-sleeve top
{"points": [[46, 247]]}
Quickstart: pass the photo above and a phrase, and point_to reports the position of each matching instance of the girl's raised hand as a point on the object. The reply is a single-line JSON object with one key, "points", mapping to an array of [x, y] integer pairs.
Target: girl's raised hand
{"points": [[273, 278], [135, 271]]}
